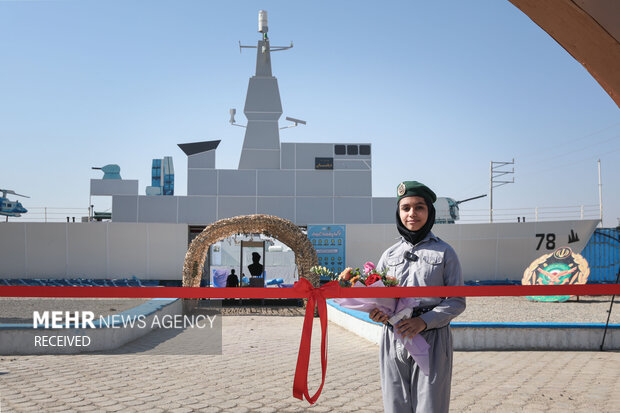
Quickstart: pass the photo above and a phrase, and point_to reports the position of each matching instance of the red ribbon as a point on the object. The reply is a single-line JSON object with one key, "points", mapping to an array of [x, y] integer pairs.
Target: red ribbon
{"points": [[247, 292], [315, 295]]}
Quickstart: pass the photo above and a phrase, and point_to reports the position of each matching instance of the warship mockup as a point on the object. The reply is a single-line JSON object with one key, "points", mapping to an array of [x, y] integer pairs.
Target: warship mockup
{"points": [[310, 184]]}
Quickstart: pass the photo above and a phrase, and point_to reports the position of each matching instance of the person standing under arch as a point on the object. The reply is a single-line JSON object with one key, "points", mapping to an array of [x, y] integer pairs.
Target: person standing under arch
{"points": [[232, 280]]}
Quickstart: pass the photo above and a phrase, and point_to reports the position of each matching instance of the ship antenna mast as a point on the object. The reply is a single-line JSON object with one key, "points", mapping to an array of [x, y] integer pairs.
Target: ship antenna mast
{"points": [[263, 59], [263, 28], [263, 107], [263, 63]]}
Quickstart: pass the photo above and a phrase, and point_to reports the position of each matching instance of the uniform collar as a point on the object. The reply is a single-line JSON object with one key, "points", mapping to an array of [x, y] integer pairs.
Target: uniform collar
{"points": [[430, 236]]}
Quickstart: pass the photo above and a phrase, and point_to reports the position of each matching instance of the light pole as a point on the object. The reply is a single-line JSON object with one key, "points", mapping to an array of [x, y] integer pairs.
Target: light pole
{"points": [[495, 173]]}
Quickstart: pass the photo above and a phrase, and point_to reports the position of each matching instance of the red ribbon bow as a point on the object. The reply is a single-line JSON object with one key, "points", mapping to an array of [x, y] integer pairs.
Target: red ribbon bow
{"points": [[315, 295]]}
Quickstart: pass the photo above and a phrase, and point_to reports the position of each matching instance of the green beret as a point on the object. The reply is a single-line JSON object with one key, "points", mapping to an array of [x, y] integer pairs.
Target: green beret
{"points": [[414, 188]]}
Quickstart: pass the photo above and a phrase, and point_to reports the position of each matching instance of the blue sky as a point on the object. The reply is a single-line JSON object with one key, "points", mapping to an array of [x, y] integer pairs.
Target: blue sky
{"points": [[439, 88]]}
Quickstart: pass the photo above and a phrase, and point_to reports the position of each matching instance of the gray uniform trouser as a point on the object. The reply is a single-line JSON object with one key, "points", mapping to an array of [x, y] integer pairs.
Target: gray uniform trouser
{"points": [[405, 387]]}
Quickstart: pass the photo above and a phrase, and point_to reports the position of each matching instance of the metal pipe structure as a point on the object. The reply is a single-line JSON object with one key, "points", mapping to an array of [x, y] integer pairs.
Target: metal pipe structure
{"points": [[496, 174], [491, 193], [613, 297], [600, 193]]}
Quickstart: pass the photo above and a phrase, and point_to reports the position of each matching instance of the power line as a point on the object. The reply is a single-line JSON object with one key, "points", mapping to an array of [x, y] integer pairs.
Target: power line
{"points": [[588, 145], [553, 146]]}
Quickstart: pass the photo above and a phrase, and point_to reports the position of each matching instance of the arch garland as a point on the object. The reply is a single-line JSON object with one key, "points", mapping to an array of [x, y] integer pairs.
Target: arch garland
{"points": [[272, 226]]}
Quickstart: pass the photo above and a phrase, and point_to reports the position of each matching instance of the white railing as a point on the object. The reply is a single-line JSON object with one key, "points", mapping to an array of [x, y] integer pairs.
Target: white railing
{"points": [[531, 214], [50, 214]]}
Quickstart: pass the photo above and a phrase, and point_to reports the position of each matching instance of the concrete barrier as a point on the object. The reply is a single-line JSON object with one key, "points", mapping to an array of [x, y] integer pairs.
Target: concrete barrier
{"points": [[496, 336]]}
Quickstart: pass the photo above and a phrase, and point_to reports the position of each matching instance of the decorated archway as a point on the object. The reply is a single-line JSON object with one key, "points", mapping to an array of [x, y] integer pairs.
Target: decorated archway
{"points": [[281, 229]]}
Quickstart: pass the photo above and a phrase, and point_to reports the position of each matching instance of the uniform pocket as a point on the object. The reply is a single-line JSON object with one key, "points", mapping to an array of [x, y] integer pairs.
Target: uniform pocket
{"points": [[395, 266], [431, 267], [432, 259]]}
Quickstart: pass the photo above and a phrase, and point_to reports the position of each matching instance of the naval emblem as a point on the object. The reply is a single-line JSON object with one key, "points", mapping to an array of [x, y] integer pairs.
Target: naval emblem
{"points": [[401, 189], [562, 266]]}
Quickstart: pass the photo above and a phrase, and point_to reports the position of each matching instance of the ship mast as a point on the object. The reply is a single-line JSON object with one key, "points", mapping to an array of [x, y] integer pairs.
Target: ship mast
{"points": [[263, 108]]}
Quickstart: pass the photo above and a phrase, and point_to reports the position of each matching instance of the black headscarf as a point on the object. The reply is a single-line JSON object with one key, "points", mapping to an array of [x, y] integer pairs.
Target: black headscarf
{"points": [[416, 236]]}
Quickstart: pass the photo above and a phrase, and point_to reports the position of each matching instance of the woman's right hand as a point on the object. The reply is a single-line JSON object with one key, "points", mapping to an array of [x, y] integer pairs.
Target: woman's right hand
{"points": [[378, 316]]}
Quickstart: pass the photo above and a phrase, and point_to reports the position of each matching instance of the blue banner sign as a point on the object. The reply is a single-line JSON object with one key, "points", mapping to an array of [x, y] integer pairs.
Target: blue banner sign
{"points": [[329, 243]]}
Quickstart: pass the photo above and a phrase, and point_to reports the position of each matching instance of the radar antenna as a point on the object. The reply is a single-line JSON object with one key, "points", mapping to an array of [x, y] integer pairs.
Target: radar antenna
{"points": [[296, 122], [263, 28], [232, 121]]}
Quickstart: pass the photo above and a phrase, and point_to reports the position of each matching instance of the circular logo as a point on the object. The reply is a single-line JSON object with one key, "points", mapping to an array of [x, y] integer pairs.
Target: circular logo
{"points": [[562, 266], [562, 253], [401, 189]]}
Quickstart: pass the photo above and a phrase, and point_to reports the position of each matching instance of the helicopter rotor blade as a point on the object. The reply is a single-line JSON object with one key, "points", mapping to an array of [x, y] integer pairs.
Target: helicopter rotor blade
{"points": [[9, 191]]}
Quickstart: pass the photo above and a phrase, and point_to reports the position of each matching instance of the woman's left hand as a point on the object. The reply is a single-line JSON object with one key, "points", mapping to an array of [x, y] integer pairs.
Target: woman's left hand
{"points": [[410, 327]]}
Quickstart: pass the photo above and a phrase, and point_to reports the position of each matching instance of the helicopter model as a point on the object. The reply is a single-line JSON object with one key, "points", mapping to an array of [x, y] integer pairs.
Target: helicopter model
{"points": [[10, 208]]}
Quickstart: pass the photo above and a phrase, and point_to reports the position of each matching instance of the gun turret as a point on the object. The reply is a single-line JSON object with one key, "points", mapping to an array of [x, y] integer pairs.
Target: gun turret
{"points": [[111, 171], [447, 209]]}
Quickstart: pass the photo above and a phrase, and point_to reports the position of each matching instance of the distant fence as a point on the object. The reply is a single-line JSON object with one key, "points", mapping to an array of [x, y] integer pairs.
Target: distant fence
{"points": [[52, 214], [602, 253], [535, 214]]}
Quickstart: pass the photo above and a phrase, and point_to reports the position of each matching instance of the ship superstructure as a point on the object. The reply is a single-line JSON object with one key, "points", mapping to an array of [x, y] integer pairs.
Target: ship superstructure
{"points": [[307, 183]]}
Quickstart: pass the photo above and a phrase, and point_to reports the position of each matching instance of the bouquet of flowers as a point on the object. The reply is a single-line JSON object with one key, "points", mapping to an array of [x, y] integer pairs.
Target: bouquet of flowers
{"points": [[396, 309], [350, 276]]}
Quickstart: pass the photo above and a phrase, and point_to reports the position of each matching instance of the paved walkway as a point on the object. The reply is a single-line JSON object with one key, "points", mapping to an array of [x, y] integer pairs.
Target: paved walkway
{"points": [[255, 374]]}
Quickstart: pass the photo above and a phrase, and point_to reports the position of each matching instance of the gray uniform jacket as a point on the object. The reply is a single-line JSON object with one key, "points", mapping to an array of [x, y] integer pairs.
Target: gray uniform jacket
{"points": [[431, 262], [405, 388]]}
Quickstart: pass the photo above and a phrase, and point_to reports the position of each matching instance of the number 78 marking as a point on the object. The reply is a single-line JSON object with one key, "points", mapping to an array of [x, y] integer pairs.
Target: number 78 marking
{"points": [[550, 241]]}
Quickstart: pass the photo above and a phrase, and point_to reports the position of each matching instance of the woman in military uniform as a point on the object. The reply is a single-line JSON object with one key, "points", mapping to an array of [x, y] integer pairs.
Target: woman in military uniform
{"points": [[419, 258]]}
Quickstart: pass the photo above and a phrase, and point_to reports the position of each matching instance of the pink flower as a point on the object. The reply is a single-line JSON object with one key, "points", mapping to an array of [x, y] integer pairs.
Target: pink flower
{"points": [[368, 267]]}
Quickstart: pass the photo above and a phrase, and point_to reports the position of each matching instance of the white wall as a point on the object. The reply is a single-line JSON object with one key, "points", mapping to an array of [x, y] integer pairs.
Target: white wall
{"points": [[12, 248], [157, 250], [113, 187], [92, 250]]}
